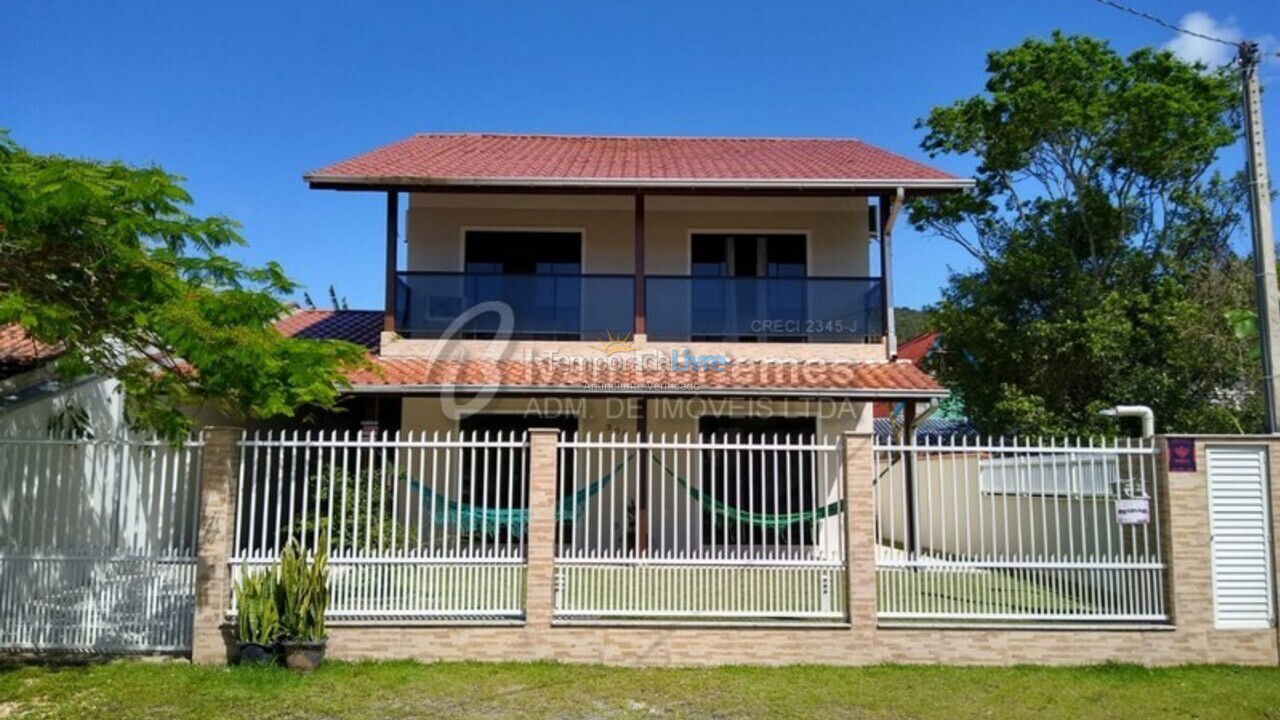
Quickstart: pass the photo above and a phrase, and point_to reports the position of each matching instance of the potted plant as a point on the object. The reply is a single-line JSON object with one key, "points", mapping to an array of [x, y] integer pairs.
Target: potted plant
{"points": [[302, 595], [257, 616]]}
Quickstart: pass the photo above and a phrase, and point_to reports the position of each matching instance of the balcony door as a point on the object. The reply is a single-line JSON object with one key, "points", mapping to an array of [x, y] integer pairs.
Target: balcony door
{"points": [[763, 286], [536, 272]]}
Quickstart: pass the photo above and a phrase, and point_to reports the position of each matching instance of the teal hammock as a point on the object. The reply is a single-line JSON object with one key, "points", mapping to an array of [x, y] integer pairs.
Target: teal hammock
{"points": [[768, 521], [496, 520]]}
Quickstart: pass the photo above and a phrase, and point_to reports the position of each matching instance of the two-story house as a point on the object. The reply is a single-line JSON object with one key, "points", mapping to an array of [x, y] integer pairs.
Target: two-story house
{"points": [[617, 284]]}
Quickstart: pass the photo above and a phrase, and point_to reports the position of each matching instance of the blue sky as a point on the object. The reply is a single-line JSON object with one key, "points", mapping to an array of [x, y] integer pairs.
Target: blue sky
{"points": [[241, 98]]}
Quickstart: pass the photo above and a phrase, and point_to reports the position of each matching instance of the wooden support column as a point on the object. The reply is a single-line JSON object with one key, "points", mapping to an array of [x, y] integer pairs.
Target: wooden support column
{"points": [[393, 235], [640, 330]]}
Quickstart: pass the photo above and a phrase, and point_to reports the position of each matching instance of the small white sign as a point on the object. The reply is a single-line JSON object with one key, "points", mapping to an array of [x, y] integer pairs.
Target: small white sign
{"points": [[1133, 511]]}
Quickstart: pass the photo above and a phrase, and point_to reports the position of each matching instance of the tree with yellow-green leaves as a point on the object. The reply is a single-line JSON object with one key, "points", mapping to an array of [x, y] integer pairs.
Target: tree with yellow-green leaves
{"points": [[106, 261]]}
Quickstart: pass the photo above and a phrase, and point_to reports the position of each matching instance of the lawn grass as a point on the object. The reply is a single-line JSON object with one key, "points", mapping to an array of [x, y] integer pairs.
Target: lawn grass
{"points": [[983, 592], [130, 689]]}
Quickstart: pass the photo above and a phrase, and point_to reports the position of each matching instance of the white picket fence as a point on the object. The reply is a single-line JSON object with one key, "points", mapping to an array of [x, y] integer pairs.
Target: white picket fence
{"points": [[745, 528], [418, 526], [97, 544], [972, 530]]}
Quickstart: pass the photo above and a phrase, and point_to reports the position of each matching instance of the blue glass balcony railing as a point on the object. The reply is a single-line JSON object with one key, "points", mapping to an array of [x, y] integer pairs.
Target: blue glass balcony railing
{"points": [[764, 309], [677, 308], [562, 307]]}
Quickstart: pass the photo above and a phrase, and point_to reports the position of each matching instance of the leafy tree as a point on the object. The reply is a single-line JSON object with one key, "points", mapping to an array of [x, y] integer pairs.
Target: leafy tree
{"points": [[910, 322], [106, 261], [1102, 239]]}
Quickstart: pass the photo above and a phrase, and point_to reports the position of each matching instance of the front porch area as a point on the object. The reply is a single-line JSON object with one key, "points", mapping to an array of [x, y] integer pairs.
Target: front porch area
{"points": [[673, 509]]}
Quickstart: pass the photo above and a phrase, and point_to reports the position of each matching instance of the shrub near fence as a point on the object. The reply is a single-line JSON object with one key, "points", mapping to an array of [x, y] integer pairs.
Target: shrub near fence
{"points": [[97, 543], [417, 526]]}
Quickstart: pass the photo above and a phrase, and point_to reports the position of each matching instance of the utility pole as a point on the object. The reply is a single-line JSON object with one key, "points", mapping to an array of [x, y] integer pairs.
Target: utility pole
{"points": [[1264, 249]]}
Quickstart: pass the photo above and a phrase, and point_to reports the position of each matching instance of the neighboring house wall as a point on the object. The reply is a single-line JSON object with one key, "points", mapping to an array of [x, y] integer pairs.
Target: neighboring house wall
{"points": [[973, 519], [36, 399]]}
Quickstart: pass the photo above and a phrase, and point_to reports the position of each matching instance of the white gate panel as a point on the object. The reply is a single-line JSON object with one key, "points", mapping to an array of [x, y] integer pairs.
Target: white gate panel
{"points": [[741, 528], [1016, 530], [1239, 525], [97, 544], [419, 527]]}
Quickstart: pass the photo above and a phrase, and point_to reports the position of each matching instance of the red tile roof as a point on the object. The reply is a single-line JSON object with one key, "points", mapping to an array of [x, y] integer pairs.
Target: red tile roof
{"points": [[619, 377], [913, 351], [585, 160], [843, 378], [18, 349]]}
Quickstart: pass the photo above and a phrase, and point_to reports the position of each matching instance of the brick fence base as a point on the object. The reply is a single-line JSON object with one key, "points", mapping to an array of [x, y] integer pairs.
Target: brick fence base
{"points": [[656, 646]]}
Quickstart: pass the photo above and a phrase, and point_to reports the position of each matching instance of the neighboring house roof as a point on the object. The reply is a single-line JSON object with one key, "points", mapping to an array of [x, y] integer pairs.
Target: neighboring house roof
{"points": [[913, 351], [928, 429], [362, 327], [392, 374], [19, 351], [582, 160]]}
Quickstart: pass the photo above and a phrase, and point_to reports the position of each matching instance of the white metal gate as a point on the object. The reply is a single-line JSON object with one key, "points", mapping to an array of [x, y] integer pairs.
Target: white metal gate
{"points": [[975, 529], [724, 528], [418, 526], [1239, 523], [97, 544]]}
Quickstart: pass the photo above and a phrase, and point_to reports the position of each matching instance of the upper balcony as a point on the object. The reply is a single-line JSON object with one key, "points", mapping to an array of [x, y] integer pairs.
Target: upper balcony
{"points": [[677, 308], [753, 247]]}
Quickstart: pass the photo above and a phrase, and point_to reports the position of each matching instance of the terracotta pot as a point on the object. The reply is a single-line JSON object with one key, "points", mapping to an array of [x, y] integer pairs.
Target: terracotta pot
{"points": [[303, 656], [255, 654]]}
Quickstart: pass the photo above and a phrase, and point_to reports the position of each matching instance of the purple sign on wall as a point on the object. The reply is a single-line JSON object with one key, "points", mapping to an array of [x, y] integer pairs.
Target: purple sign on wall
{"points": [[1182, 455]]}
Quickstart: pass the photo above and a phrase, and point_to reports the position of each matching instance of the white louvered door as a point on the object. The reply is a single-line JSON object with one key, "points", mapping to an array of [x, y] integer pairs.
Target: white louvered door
{"points": [[1239, 523]]}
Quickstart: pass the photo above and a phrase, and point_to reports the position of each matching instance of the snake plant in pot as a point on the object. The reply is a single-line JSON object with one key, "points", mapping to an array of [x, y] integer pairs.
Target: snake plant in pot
{"points": [[302, 595], [257, 616]]}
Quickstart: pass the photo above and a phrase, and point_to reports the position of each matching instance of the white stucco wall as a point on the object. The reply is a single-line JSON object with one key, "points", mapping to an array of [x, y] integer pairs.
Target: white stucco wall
{"points": [[435, 224], [99, 397]]}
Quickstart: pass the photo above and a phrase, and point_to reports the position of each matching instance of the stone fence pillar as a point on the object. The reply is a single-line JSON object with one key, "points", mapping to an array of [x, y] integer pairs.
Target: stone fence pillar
{"points": [[211, 641], [860, 524], [540, 580]]}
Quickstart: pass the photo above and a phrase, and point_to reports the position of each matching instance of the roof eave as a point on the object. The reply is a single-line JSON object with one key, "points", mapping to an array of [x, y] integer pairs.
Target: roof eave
{"points": [[377, 182], [847, 393]]}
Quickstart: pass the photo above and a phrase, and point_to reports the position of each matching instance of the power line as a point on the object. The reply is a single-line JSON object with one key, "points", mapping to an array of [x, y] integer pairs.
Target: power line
{"points": [[1166, 24]]}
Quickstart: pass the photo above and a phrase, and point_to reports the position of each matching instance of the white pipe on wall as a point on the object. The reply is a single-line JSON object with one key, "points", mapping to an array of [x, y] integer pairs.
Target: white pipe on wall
{"points": [[1139, 411]]}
